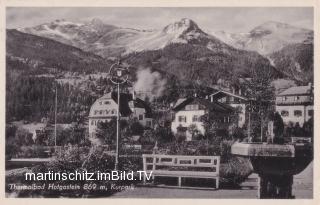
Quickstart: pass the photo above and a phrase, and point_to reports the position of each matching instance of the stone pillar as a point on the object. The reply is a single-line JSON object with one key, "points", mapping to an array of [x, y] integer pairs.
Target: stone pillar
{"points": [[275, 186]]}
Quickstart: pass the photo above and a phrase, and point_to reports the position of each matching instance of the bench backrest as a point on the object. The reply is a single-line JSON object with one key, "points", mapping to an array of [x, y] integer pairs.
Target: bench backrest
{"points": [[156, 161]]}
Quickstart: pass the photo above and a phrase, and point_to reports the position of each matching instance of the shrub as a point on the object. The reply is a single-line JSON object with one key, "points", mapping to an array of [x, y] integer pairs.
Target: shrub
{"points": [[79, 159]]}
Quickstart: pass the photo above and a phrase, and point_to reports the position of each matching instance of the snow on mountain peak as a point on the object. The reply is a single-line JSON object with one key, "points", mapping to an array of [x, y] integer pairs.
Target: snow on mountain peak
{"points": [[96, 21], [179, 27], [273, 25], [268, 37]]}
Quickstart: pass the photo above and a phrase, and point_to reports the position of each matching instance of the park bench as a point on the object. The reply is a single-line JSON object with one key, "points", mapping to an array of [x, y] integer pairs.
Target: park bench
{"points": [[181, 167]]}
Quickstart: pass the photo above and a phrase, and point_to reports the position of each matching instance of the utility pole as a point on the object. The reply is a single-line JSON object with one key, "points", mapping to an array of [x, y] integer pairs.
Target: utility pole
{"points": [[116, 166], [55, 119], [249, 109], [249, 126]]}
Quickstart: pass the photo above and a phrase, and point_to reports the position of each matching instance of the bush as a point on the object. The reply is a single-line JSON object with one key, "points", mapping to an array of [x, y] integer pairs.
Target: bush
{"points": [[34, 151], [79, 159], [233, 170]]}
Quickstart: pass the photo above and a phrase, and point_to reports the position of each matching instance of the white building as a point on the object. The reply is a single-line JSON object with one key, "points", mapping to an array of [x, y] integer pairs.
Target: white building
{"points": [[105, 108], [188, 111], [295, 104]]}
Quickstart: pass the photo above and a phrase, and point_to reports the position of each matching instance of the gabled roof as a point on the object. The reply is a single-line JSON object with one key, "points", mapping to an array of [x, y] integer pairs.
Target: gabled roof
{"points": [[296, 90], [212, 106], [124, 103], [221, 93]]}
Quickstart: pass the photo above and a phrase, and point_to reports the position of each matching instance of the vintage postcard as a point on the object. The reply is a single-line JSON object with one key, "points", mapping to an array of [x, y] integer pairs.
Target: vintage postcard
{"points": [[167, 101]]}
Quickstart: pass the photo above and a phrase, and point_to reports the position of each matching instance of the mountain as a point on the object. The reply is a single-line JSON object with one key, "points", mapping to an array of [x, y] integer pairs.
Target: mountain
{"points": [[39, 52], [295, 61], [195, 56], [94, 36], [107, 40], [180, 48], [267, 38]]}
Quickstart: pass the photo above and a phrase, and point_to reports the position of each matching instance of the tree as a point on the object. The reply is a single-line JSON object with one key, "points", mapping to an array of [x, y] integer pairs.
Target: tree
{"points": [[278, 125], [261, 94], [181, 134], [163, 133], [193, 130], [136, 128], [148, 137], [297, 130], [23, 137], [308, 128], [107, 131]]}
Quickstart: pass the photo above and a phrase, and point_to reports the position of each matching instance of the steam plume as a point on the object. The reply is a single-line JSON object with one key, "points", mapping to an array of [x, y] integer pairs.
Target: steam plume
{"points": [[149, 83]]}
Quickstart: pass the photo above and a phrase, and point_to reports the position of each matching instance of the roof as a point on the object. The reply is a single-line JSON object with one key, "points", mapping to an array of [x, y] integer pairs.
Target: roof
{"points": [[125, 98], [296, 90], [179, 101], [221, 93], [212, 106]]}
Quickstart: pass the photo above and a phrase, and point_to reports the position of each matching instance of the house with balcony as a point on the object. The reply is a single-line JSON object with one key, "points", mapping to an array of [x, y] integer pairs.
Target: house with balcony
{"points": [[235, 100], [295, 104], [189, 111], [105, 108]]}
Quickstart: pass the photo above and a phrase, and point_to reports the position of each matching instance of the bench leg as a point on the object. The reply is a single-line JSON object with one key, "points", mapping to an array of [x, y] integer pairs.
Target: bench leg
{"points": [[217, 182], [179, 181]]}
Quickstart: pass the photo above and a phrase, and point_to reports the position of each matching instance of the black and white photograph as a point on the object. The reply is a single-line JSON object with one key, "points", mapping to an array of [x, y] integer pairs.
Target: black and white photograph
{"points": [[159, 102]]}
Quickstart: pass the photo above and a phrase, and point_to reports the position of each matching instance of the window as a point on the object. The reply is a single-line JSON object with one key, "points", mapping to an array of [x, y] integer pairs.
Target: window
{"points": [[284, 113], [310, 113], [148, 123], [96, 112], [196, 118], [192, 107], [107, 102], [100, 112], [92, 122], [107, 112], [140, 117], [284, 98], [182, 119], [297, 113], [296, 98]]}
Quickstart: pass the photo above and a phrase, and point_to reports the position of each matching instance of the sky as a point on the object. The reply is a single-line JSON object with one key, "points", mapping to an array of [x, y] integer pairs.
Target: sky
{"points": [[230, 19]]}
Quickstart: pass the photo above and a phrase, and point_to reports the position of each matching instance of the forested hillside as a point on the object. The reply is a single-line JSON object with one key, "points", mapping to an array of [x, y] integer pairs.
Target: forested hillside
{"points": [[32, 98], [41, 52]]}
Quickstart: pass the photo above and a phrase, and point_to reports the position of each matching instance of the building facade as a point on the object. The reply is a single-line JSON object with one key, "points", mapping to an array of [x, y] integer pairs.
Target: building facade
{"points": [[105, 108], [295, 104], [236, 101], [189, 111]]}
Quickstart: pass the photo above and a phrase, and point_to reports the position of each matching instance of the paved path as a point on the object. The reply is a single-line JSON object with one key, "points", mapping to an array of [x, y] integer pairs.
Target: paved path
{"points": [[302, 188], [303, 183], [249, 190]]}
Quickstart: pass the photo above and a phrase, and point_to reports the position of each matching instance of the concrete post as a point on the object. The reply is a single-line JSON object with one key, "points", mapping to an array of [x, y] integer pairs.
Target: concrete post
{"points": [[275, 187]]}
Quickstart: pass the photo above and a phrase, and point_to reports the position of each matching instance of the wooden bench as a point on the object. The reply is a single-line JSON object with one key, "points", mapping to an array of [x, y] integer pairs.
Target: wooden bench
{"points": [[182, 167]]}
